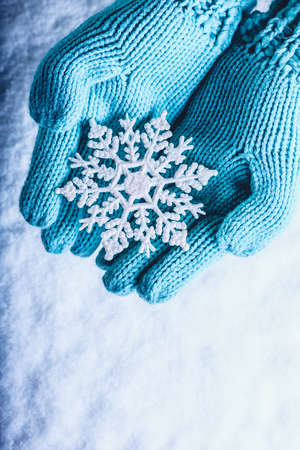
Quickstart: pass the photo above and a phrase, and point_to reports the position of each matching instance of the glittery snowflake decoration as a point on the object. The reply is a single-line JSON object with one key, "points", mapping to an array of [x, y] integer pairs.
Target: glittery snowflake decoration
{"points": [[136, 185]]}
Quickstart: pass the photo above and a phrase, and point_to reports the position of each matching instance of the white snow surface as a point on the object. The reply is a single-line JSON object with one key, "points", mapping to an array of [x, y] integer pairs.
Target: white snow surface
{"points": [[216, 368]]}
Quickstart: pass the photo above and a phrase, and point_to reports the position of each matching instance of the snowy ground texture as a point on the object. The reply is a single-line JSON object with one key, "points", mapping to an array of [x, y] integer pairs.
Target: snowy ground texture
{"points": [[217, 368]]}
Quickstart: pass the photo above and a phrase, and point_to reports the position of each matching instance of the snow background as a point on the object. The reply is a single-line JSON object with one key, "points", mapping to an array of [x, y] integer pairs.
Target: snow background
{"points": [[216, 368]]}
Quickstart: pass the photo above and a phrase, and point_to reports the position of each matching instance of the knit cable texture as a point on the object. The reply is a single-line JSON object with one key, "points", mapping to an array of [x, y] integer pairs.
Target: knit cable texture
{"points": [[245, 123], [137, 57]]}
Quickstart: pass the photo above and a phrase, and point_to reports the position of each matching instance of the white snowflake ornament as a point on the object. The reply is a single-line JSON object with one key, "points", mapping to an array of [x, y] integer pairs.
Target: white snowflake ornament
{"points": [[137, 186]]}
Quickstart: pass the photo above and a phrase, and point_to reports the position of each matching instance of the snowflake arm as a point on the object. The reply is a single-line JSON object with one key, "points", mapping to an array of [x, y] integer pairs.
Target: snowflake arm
{"points": [[108, 207], [172, 154], [154, 141], [182, 203], [108, 146], [185, 178], [130, 138], [92, 168], [118, 231], [144, 233]]}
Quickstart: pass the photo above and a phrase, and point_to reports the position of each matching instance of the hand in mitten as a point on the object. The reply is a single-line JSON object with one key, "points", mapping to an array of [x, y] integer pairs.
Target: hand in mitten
{"points": [[245, 123], [136, 57]]}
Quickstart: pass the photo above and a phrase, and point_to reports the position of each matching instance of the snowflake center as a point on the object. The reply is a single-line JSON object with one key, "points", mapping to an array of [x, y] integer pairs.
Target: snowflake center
{"points": [[137, 184]]}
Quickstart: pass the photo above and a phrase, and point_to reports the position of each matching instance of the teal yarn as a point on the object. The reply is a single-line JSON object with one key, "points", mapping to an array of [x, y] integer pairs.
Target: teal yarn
{"points": [[137, 57], [245, 123]]}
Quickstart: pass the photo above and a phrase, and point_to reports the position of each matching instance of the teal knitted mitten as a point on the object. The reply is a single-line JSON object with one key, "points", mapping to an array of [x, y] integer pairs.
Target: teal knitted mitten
{"points": [[245, 122], [137, 57]]}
